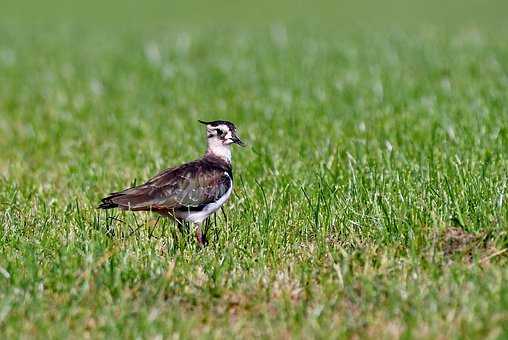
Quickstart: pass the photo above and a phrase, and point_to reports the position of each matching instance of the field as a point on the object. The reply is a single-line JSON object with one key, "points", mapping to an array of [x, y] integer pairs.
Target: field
{"points": [[371, 201]]}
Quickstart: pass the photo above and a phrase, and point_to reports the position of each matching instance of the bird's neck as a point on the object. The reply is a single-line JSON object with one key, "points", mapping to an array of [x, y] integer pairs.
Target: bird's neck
{"points": [[220, 150]]}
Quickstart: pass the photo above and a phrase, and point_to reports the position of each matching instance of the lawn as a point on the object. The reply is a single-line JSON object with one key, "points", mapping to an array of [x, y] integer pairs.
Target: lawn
{"points": [[371, 201]]}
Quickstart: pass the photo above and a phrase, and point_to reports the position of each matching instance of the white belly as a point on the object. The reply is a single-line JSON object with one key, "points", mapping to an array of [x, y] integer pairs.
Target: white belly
{"points": [[200, 216]]}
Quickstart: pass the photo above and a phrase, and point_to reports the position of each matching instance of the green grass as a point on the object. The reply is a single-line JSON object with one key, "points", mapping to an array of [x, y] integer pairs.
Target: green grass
{"points": [[371, 201]]}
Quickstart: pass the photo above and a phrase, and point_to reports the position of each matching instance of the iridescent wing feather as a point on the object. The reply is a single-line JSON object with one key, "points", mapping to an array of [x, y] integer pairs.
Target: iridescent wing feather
{"points": [[189, 186]]}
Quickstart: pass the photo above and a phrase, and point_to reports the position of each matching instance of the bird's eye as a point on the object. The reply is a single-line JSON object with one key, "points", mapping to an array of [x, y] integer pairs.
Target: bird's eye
{"points": [[219, 132]]}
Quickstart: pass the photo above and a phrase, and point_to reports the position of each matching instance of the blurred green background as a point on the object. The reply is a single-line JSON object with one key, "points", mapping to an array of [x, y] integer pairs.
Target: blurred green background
{"points": [[364, 14]]}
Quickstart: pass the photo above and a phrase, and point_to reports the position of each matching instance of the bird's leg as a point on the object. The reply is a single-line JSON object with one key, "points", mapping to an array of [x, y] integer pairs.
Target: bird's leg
{"points": [[200, 237], [224, 214], [208, 221]]}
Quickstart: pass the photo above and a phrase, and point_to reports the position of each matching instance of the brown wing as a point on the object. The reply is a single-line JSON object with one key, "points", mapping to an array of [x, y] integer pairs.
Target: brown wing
{"points": [[191, 185]]}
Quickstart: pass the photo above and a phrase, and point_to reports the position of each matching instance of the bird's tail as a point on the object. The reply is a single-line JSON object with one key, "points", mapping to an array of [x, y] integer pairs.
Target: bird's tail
{"points": [[108, 203]]}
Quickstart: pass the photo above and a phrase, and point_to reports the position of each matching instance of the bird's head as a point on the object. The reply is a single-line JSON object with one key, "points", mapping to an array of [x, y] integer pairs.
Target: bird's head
{"points": [[221, 132], [221, 135]]}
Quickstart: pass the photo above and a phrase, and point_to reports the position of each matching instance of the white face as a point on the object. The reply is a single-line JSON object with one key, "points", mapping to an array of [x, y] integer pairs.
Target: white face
{"points": [[220, 134]]}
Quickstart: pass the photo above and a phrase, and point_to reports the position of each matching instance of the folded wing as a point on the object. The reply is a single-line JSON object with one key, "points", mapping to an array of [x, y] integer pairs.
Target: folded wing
{"points": [[189, 186]]}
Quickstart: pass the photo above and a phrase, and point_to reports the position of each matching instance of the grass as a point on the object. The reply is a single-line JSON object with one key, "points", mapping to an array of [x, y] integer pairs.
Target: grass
{"points": [[370, 203]]}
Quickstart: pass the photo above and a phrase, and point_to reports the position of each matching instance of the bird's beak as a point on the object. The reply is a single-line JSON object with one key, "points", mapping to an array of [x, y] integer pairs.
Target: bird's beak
{"points": [[238, 141]]}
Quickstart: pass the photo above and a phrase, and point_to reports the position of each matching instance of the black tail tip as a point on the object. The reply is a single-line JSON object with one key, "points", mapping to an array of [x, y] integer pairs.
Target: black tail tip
{"points": [[107, 205]]}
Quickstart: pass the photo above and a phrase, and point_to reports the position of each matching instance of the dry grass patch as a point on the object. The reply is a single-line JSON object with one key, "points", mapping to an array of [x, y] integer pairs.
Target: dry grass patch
{"points": [[458, 244]]}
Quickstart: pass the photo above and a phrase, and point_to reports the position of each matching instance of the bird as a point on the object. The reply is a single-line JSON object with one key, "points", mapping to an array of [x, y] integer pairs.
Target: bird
{"points": [[190, 192]]}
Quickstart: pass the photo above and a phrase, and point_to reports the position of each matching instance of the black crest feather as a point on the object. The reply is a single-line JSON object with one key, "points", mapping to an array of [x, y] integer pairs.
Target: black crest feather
{"points": [[219, 122]]}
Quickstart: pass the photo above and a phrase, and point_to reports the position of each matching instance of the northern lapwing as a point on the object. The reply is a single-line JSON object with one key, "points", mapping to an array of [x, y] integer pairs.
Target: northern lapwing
{"points": [[190, 192]]}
